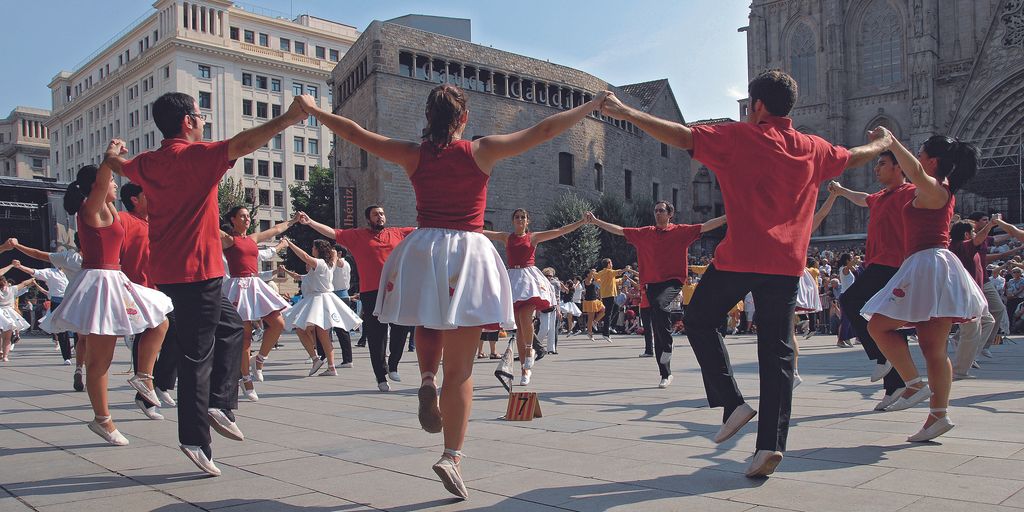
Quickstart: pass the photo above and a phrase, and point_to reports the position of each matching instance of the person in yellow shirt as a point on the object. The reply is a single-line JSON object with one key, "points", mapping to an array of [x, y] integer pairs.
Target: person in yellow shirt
{"points": [[608, 279]]}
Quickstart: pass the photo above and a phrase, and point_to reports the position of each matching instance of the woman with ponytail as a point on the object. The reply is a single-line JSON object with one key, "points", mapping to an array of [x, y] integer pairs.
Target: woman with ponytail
{"points": [[101, 301], [446, 278], [320, 310], [931, 290], [250, 295]]}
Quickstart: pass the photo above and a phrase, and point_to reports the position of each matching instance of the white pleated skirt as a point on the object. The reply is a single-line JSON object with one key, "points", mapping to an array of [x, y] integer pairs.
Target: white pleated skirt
{"points": [[570, 308], [807, 297], [444, 279], [252, 297], [529, 286], [105, 302], [10, 320], [324, 310], [931, 283]]}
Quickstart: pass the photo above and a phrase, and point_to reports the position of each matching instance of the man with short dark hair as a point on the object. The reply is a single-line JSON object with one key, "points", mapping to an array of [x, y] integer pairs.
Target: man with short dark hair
{"points": [[770, 175], [995, 303], [370, 247], [180, 181]]}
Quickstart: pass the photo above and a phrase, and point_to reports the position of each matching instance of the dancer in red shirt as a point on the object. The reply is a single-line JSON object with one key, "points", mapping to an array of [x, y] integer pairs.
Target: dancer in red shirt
{"points": [[101, 302], [932, 290], [661, 254], [770, 175], [254, 300], [446, 278], [531, 291]]}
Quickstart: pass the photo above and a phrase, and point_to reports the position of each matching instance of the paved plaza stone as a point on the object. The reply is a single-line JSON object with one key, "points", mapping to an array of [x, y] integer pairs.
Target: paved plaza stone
{"points": [[609, 440]]}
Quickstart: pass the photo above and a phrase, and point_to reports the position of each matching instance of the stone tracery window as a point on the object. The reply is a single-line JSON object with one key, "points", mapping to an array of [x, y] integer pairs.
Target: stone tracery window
{"points": [[881, 45], [803, 60], [1013, 18]]}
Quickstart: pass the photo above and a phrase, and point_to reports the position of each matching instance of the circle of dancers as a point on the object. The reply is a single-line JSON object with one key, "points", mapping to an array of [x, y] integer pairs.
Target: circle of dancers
{"points": [[170, 267]]}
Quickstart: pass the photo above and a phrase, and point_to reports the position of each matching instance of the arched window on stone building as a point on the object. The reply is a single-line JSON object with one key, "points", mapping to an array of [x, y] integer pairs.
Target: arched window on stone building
{"points": [[881, 45], [702, 191], [803, 61]]}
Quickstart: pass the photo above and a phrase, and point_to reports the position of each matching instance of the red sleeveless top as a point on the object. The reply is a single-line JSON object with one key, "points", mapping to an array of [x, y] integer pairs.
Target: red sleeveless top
{"points": [[101, 247], [926, 229], [451, 190], [243, 257], [520, 251]]}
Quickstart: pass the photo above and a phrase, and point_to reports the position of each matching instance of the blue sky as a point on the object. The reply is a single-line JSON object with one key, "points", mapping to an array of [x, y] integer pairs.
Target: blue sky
{"points": [[693, 43]]}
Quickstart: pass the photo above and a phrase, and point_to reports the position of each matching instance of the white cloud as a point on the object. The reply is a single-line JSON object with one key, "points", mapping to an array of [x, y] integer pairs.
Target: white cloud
{"points": [[735, 92]]}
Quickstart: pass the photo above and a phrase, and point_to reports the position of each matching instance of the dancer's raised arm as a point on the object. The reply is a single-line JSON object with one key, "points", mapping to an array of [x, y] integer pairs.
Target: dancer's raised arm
{"points": [[31, 252], [669, 132], [855, 197], [930, 192], [544, 236], [323, 229], [402, 152], [712, 224], [303, 255], [614, 229], [279, 228], [819, 216]]}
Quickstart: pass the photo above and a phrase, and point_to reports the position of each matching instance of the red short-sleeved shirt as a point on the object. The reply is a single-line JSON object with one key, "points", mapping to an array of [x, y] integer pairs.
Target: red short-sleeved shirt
{"points": [[370, 249], [770, 175], [135, 250], [885, 226], [972, 256], [661, 253], [180, 180]]}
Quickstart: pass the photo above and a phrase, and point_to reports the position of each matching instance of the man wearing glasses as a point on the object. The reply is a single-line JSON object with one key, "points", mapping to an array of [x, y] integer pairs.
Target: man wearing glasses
{"points": [[661, 255], [180, 182]]}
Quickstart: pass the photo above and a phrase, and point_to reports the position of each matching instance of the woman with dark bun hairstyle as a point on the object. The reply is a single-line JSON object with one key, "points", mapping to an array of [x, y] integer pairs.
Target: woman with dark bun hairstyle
{"points": [[101, 301], [931, 290], [253, 298], [446, 278]]}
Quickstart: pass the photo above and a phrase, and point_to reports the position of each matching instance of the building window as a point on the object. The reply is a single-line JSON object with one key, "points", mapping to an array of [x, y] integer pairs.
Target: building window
{"points": [[261, 110], [286, 44], [335, 56], [205, 99], [275, 85], [312, 122], [300, 47], [312, 91], [278, 170], [247, 79], [664, 150], [803, 60], [204, 71], [246, 107], [207, 132], [247, 166], [167, 72], [264, 224], [300, 172], [37, 163], [300, 145], [599, 177], [250, 36], [314, 146], [278, 198], [234, 33], [264, 39], [297, 89], [655, 191], [881, 45], [565, 168], [675, 198], [627, 184], [263, 168], [321, 52], [275, 110], [277, 143], [264, 199], [250, 194], [261, 82]]}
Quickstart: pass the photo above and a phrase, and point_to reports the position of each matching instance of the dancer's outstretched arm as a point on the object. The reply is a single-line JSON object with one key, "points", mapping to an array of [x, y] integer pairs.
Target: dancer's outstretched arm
{"points": [[930, 192], [279, 228], [551, 234], [614, 229], [33, 253], [402, 152], [323, 229], [855, 197], [491, 149], [303, 255], [496, 236], [819, 216], [712, 224], [256, 137], [669, 132]]}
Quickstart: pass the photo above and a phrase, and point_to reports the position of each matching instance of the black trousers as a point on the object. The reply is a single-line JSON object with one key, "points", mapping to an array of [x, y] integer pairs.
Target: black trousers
{"points": [[645, 322], [376, 333], [868, 283], [775, 297], [396, 344], [209, 340], [344, 340], [660, 296], [610, 310]]}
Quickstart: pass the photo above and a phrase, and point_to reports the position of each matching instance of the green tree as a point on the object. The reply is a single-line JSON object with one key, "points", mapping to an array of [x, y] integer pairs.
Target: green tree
{"points": [[614, 210], [643, 212], [231, 193], [571, 254]]}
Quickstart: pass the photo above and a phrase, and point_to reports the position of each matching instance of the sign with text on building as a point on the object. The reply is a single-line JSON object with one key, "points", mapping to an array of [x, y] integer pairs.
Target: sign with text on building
{"points": [[348, 208]]}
